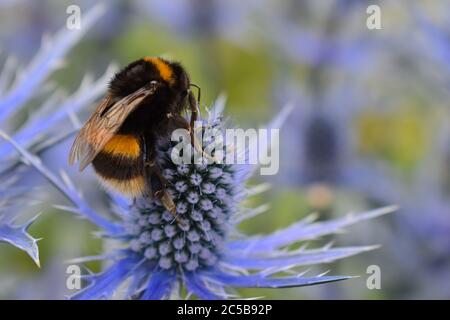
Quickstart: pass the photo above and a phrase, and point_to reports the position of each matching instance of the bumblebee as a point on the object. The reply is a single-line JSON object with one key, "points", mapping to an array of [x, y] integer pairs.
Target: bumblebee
{"points": [[143, 105]]}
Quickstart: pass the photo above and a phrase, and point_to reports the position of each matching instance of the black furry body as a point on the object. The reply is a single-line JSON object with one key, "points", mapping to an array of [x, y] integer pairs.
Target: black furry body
{"points": [[153, 120], [151, 116]]}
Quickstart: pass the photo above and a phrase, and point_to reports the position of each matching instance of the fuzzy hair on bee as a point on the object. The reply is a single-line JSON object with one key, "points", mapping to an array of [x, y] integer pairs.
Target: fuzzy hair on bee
{"points": [[144, 104]]}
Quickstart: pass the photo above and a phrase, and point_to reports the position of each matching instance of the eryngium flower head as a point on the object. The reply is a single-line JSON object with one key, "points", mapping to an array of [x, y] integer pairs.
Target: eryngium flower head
{"points": [[201, 250], [206, 197]]}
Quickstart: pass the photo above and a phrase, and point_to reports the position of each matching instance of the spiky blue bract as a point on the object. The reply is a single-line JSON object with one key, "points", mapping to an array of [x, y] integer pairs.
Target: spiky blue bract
{"points": [[45, 62], [18, 236], [11, 231], [203, 251], [38, 131], [45, 126]]}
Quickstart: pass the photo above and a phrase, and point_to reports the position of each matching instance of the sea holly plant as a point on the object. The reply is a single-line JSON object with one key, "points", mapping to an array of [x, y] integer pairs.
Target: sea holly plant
{"points": [[26, 87], [11, 231], [201, 253]]}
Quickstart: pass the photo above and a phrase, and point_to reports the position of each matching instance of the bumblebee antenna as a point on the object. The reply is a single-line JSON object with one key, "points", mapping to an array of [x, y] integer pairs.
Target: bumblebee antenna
{"points": [[198, 92]]}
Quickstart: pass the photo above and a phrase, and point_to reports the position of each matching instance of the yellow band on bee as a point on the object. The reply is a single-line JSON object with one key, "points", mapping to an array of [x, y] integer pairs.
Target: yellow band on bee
{"points": [[164, 69], [124, 145], [134, 187]]}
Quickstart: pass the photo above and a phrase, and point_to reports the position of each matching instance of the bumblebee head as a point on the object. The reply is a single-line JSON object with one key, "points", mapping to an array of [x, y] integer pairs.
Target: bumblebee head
{"points": [[163, 71], [174, 76], [173, 81]]}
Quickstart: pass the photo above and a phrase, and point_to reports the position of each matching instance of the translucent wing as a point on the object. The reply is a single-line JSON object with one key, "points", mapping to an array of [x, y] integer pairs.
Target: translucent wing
{"points": [[103, 124]]}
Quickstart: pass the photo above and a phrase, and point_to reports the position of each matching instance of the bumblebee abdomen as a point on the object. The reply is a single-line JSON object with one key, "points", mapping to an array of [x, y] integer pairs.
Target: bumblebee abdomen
{"points": [[120, 166], [123, 145]]}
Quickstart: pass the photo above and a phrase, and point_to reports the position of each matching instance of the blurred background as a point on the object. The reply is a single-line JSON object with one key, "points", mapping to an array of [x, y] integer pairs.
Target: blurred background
{"points": [[370, 126]]}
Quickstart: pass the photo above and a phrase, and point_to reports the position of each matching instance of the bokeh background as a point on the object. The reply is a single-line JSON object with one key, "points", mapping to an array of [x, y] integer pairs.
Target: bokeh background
{"points": [[370, 126]]}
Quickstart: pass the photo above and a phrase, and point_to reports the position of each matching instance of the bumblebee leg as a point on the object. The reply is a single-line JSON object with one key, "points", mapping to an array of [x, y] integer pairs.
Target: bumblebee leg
{"points": [[194, 116], [180, 122], [158, 186], [194, 110], [155, 181], [159, 191]]}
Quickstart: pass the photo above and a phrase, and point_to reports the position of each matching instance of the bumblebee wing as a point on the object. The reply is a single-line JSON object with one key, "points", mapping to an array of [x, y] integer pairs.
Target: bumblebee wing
{"points": [[87, 134], [103, 124]]}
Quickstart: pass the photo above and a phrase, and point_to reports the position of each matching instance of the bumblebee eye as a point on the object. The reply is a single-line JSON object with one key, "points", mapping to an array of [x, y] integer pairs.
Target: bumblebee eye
{"points": [[153, 84]]}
